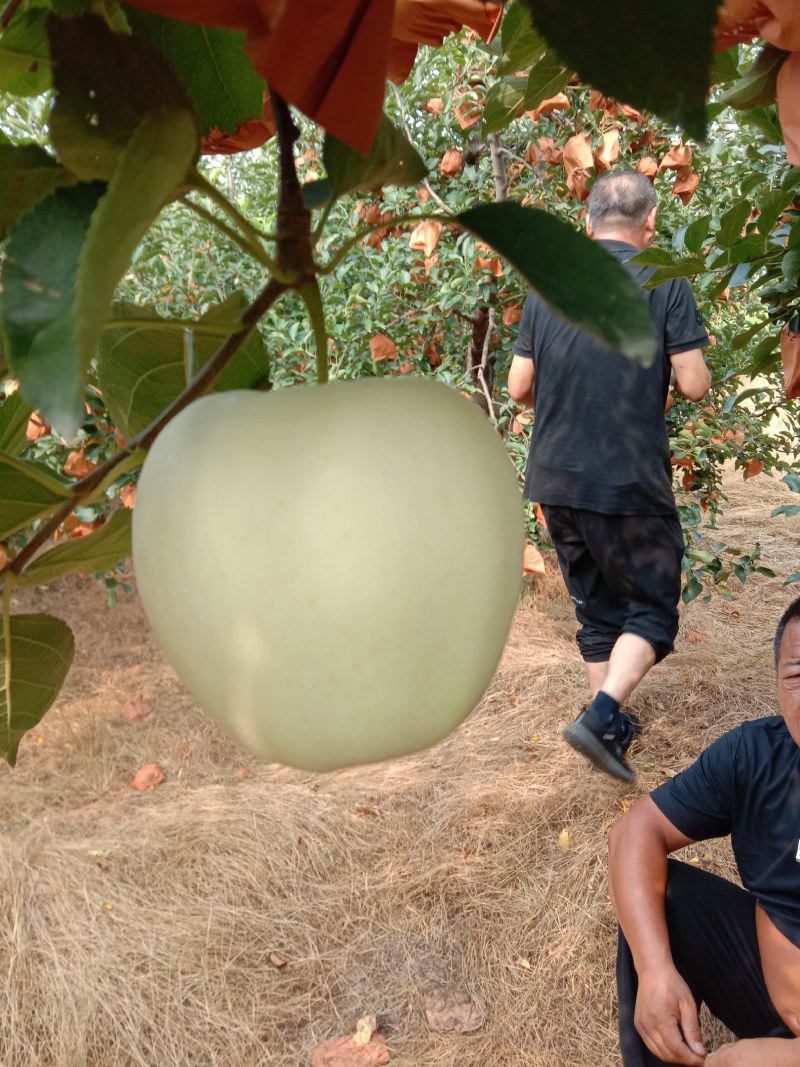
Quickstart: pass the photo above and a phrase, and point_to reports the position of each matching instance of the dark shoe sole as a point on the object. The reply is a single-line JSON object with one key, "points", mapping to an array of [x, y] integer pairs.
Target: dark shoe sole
{"points": [[584, 741]]}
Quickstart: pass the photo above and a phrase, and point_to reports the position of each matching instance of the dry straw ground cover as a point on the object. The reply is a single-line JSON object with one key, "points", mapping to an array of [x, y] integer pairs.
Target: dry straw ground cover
{"points": [[241, 913]]}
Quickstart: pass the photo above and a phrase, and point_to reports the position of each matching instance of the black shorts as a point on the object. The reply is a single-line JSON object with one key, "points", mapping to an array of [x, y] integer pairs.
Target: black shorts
{"points": [[623, 574]]}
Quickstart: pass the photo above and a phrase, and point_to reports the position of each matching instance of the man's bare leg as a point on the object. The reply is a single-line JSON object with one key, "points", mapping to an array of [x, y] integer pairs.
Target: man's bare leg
{"points": [[631, 659], [600, 732], [597, 675]]}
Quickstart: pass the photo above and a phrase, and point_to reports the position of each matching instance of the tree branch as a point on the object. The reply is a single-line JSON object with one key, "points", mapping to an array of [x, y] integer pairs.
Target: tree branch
{"points": [[295, 248], [498, 167], [8, 12], [295, 270], [404, 119], [86, 486]]}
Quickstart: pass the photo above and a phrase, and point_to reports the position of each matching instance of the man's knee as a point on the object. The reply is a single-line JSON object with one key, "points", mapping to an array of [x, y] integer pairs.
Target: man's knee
{"points": [[595, 643]]}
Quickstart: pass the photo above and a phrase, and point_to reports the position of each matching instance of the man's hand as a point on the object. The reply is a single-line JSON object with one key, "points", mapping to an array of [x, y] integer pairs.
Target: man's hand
{"points": [[758, 1052], [666, 1018]]}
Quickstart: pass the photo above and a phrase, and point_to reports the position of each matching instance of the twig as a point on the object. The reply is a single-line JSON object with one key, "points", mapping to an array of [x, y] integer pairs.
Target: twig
{"points": [[86, 486], [404, 119], [498, 168], [471, 319], [251, 247], [484, 364], [8, 12], [295, 268], [295, 247]]}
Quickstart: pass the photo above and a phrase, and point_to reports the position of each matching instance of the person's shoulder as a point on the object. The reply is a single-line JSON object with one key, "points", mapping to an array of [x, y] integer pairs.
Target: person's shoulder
{"points": [[532, 301], [751, 739], [765, 725], [770, 729]]}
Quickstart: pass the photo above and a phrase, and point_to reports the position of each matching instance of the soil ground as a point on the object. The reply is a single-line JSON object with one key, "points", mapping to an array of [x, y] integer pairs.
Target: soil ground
{"points": [[241, 913]]}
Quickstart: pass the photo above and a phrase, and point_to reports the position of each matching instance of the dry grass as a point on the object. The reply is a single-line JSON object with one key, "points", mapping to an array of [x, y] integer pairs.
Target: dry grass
{"points": [[136, 929]]}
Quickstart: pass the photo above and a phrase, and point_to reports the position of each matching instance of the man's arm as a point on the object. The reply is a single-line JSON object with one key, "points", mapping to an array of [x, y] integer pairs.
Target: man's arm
{"points": [[757, 1052], [520, 380], [666, 1014], [692, 377]]}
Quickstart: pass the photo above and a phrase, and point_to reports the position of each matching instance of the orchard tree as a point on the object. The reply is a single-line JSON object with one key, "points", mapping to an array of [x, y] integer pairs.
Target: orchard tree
{"points": [[109, 355]]}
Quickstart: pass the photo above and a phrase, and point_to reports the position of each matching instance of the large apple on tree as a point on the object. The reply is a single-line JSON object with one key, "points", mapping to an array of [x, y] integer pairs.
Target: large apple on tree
{"points": [[332, 570]]}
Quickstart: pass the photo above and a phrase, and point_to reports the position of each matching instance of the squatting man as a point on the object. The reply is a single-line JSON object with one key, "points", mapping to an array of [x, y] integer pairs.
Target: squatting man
{"points": [[599, 466], [688, 937]]}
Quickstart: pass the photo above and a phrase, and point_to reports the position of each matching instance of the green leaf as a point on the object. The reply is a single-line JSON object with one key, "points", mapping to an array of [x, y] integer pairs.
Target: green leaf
{"points": [[25, 55], [212, 64], [741, 340], [696, 233], [790, 265], [700, 555], [757, 86], [754, 246], [106, 83], [15, 412], [522, 46], [692, 589], [576, 276], [764, 355], [28, 491], [94, 554], [653, 257], [35, 655], [633, 55], [732, 223], [680, 268], [720, 283], [795, 577], [724, 66], [789, 510], [317, 193], [37, 287], [746, 394], [546, 79], [766, 121], [27, 175], [770, 207], [503, 101], [150, 170], [392, 160], [793, 482], [140, 369]]}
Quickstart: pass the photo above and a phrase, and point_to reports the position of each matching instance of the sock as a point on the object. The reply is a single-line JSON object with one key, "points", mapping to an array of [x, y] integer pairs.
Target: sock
{"points": [[604, 711]]}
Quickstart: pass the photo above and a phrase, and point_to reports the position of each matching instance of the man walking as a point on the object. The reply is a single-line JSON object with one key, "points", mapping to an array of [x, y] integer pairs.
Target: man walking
{"points": [[689, 937], [599, 466]]}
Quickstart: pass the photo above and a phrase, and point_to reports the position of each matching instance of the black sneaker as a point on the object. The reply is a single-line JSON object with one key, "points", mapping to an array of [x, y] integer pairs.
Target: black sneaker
{"points": [[605, 749]]}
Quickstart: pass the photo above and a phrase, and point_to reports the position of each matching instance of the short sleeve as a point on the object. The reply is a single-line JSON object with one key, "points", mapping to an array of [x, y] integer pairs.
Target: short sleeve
{"points": [[699, 801], [684, 328], [524, 345]]}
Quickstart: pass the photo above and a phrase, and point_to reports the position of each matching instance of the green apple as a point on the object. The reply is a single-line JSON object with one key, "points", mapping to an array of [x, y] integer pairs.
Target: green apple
{"points": [[331, 570]]}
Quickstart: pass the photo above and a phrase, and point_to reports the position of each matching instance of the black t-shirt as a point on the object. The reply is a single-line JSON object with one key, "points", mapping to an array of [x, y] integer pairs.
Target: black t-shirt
{"points": [[747, 784], [599, 438]]}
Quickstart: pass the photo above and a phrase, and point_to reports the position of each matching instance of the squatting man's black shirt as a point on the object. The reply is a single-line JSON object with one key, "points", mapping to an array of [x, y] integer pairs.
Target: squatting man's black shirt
{"points": [[747, 784]]}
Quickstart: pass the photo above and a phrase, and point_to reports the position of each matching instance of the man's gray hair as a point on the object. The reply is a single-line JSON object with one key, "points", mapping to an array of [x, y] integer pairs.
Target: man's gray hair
{"points": [[623, 198]]}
